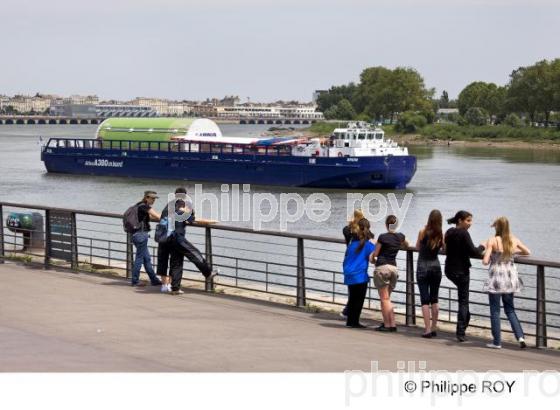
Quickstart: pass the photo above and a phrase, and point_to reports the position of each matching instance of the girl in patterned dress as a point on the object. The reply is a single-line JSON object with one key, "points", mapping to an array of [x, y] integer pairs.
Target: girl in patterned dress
{"points": [[503, 279]]}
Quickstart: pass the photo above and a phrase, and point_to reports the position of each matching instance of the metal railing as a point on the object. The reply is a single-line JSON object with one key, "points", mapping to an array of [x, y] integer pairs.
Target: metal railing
{"points": [[300, 267], [89, 145]]}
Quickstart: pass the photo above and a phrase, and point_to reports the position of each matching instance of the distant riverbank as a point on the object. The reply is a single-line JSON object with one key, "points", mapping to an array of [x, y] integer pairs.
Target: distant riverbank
{"points": [[452, 134], [417, 139]]}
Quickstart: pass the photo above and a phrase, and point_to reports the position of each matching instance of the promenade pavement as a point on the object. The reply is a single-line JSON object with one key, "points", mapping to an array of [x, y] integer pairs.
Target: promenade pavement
{"points": [[55, 320]]}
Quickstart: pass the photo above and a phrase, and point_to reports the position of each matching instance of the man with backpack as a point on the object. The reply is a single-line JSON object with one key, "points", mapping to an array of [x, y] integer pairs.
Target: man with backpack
{"points": [[173, 245], [136, 221]]}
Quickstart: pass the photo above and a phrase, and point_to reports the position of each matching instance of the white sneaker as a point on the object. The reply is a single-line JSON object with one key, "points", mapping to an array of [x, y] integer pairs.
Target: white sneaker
{"points": [[166, 288], [493, 346], [214, 273], [177, 292]]}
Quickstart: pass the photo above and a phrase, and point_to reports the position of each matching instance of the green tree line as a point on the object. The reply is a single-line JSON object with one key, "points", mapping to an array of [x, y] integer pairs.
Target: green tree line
{"points": [[382, 94]]}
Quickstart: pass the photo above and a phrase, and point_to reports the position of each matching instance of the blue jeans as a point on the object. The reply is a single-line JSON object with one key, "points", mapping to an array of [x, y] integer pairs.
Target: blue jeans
{"points": [[140, 241], [507, 299]]}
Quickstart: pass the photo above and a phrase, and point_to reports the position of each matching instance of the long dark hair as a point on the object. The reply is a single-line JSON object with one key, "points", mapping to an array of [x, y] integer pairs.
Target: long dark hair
{"points": [[459, 216], [433, 230], [364, 233]]}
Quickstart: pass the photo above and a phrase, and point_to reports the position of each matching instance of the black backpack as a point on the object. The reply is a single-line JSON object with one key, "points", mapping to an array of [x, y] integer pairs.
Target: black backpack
{"points": [[131, 223], [163, 234]]}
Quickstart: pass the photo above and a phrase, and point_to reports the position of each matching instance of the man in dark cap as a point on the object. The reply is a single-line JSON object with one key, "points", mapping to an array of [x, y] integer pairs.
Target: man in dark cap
{"points": [[140, 239]]}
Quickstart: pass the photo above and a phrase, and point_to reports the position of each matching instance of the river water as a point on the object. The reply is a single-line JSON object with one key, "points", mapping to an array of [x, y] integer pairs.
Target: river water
{"points": [[521, 184]]}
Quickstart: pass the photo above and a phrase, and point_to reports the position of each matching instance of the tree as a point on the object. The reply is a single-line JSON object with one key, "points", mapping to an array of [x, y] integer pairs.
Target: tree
{"points": [[476, 116], [513, 120], [341, 111], [345, 110], [453, 104], [555, 77], [444, 100], [383, 93], [410, 122], [487, 96], [334, 95], [533, 89], [368, 98]]}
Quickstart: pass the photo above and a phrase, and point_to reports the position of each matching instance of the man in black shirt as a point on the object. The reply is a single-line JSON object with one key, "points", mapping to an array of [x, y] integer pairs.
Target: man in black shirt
{"points": [[172, 252]]}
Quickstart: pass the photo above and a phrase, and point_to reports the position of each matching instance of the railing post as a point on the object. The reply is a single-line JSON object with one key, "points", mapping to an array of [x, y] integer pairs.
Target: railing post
{"points": [[2, 252], [300, 292], [541, 308], [410, 295], [73, 242], [209, 284], [266, 276], [48, 244], [129, 255]]}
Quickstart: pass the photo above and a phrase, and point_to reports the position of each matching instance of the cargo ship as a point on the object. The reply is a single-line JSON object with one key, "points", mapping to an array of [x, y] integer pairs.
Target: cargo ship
{"points": [[356, 157]]}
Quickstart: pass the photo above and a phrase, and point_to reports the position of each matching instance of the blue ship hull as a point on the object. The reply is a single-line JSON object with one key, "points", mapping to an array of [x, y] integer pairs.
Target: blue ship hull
{"points": [[382, 172]]}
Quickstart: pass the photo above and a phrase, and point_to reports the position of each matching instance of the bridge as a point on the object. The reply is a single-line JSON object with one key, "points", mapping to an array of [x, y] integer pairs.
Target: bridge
{"points": [[47, 120], [276, 121], [58, 120]]}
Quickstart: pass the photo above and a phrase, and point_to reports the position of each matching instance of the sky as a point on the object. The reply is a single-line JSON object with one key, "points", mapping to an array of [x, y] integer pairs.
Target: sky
{"points": [[262, 50]]}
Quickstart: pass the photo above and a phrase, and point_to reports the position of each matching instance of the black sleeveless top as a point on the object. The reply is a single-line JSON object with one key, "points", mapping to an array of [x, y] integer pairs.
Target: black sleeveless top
{"points": [[425, 252]]}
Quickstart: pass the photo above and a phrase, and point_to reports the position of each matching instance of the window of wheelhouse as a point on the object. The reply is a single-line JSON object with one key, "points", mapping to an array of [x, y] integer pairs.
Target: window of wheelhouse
{"points": [[284, 150], [262, 149]]}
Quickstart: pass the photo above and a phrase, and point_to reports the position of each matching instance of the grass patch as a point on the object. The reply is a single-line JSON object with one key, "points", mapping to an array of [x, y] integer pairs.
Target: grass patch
{"points": [[456, 132], [325, 128], [310, 308], [19, 258]]}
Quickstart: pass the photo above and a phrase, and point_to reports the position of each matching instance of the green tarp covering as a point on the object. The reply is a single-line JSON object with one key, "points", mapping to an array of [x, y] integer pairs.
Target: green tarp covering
{"points": [[143, 129]]}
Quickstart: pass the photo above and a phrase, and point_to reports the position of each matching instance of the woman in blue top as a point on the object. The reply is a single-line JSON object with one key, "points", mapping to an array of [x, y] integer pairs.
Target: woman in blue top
{"points": [[355, 268]]}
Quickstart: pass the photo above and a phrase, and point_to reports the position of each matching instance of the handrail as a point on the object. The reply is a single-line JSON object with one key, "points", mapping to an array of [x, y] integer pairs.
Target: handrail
{"points": [[205, 147], [295, 274], [524, 260]]}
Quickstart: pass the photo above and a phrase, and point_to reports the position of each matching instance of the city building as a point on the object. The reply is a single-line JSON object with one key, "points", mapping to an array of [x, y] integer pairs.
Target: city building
{"points": [[124, 110], [24, 104], [316, 95], [269, 112], [164, 107], [66, 109], [87, 106], [83, 99], [205, 110]]}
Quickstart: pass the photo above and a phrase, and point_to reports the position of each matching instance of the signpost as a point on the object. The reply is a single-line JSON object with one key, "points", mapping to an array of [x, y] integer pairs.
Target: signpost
{"points": [[62, 242]]}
